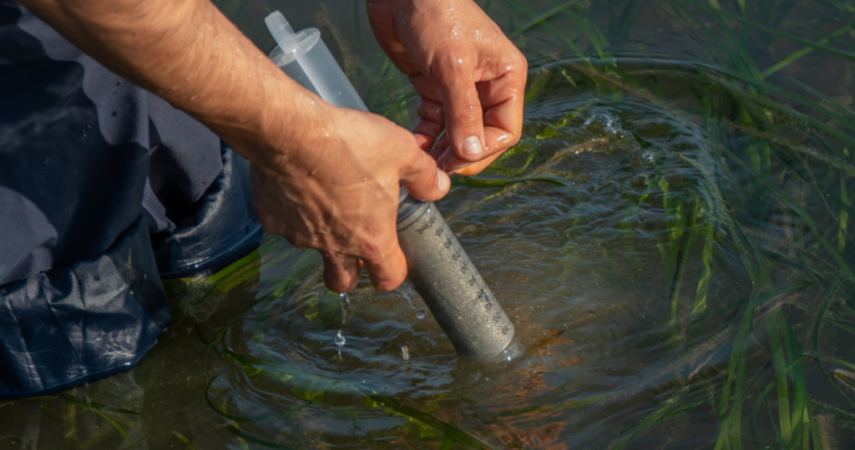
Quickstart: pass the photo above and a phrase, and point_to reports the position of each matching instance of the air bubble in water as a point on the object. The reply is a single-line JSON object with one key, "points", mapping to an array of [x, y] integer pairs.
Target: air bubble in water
{"points": [[420, 314]]}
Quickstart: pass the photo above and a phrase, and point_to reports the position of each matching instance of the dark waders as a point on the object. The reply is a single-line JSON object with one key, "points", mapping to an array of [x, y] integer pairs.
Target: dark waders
{"points": [[103, 189]]}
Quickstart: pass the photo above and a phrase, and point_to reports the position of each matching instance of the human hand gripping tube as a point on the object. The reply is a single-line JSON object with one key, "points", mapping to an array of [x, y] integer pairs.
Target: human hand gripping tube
{"points": [[438, 267]]}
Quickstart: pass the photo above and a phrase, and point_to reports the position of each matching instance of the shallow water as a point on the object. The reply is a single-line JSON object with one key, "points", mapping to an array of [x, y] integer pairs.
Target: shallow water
{"points": [[664, 238]]}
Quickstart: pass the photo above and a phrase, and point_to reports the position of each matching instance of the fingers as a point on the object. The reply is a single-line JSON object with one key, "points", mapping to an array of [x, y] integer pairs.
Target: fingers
{"points": [[477, 167], [462, 105], [341, 272], [498, 141], [389, 270], [500, 93], [430, 124], [502, 98], [424, 179], [383, 258]]}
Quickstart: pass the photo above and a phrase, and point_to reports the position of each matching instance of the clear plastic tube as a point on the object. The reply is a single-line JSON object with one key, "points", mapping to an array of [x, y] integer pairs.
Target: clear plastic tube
{"points": [[304, 57]]}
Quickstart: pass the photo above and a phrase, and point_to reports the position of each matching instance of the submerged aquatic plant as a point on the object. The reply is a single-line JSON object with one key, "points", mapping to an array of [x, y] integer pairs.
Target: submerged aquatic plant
{"points": [[728, 160], [778, 151]]}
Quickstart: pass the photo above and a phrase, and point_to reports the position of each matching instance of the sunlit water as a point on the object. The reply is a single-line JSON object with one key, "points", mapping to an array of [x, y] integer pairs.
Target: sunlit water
{"points": [[625, 255]]}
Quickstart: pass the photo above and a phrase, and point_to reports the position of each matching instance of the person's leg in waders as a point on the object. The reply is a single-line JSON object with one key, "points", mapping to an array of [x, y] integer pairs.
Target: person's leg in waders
{"points": [[103, 189]]}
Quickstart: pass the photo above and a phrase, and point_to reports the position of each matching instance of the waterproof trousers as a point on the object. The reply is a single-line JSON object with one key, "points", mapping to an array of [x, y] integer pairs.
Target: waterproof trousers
{"points": [[104, 188]]}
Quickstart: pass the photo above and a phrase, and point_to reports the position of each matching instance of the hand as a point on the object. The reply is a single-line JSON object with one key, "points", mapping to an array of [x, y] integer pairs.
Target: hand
{"points": [[469, 76], [338, 193]]}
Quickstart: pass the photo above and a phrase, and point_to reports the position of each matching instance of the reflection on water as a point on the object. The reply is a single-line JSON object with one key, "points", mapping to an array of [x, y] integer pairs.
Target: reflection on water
{"points": [[670, 239]]}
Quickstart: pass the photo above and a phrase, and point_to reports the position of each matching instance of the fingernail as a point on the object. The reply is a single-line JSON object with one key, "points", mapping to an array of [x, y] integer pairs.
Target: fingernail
{"points": [[472, 146], [442, 180]]}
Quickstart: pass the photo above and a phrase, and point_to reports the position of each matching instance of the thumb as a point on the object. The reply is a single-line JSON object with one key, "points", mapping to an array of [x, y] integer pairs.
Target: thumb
{"points": [[463, 115], [424, 179]]}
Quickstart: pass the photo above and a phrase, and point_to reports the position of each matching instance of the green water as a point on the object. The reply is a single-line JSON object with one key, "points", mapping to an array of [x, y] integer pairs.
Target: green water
{"points": [[671, 239]]}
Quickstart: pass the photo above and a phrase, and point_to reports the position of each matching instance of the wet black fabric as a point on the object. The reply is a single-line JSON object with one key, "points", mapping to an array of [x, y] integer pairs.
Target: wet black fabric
{"points": [[223, 227], [88, 164], [185, 161], [77, 190], [76, 324]]}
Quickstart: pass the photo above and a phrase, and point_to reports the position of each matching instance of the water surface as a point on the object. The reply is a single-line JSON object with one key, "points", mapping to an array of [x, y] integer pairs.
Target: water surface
{"points": [[670, 238]]}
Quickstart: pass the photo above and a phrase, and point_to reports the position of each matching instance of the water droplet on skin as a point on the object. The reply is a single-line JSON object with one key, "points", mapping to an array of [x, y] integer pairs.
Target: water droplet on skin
{"points": [[405, 353], [420, 314]]}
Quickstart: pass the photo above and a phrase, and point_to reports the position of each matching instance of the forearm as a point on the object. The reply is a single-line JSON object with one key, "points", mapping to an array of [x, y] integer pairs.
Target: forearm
{"points": [[188, 53]]}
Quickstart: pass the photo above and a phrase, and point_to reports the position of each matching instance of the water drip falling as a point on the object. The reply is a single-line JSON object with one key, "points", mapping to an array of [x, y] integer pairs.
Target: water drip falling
{"points": [[406, 290], [345, 305], [339, 341], [405, 352]]}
